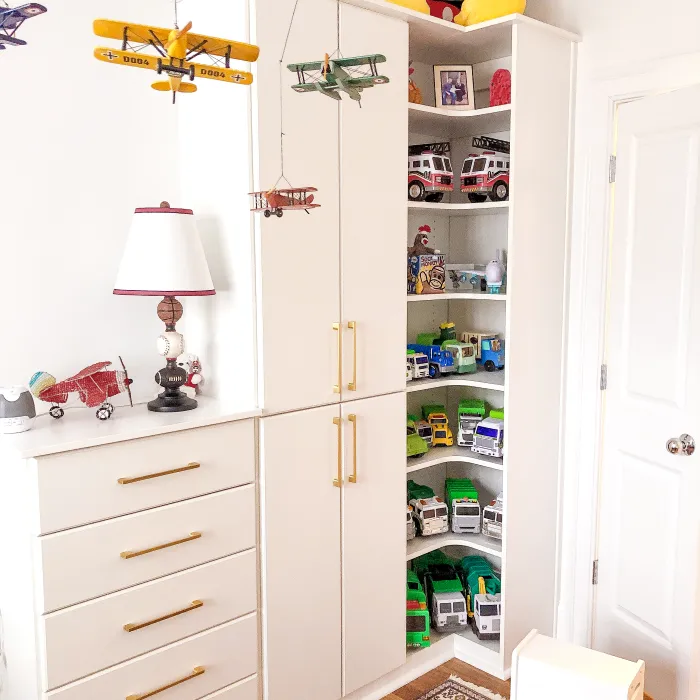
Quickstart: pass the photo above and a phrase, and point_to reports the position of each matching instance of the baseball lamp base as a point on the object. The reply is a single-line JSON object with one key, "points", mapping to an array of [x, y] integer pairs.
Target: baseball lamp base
{"points": [[171, 377]]}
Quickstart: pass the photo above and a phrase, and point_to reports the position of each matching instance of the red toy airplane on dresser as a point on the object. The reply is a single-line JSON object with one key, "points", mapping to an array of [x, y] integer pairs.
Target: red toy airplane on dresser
{"points": [[93, 384]]}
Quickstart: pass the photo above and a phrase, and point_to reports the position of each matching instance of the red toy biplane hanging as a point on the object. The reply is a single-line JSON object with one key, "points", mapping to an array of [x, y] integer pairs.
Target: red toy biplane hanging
{"points": [[275, 201], [93, 384]]}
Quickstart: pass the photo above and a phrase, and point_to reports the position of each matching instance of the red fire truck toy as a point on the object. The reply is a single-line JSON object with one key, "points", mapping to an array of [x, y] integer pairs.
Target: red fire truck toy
{"points": [[487, 174], [429, 172]]}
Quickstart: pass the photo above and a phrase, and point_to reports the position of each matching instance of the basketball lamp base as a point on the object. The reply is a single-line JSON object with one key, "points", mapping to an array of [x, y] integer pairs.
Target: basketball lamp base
{"points": [[171, 344]]}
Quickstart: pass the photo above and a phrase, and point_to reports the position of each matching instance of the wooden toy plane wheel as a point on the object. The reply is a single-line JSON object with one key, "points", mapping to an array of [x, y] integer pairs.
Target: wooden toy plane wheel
{"points": [[159, 69], [56, 412]]}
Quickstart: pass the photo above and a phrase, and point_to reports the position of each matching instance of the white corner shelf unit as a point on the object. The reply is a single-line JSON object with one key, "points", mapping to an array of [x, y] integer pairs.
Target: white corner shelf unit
{"points": [[532, 227]]}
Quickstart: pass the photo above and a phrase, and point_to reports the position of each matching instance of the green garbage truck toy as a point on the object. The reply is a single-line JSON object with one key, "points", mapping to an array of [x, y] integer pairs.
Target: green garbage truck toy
{"points": [[417, 615], [444, 591], [483, 594], [463, 503]]}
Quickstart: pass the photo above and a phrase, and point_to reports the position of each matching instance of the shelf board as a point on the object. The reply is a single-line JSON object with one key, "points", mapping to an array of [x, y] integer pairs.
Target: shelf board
{"points": [[422, 545], [457, 296], [435, 121], [480, 380], [443, 455], [435, 41], [466, 209]]}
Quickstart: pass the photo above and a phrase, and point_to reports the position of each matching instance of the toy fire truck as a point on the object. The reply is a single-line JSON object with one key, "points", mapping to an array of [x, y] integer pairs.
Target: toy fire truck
{"points": [[429, 172], [487, 174]]}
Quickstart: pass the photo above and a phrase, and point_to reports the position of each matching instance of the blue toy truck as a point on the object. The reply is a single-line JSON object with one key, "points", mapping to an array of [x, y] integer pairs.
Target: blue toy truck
{"points": [[490, 349], [440, 361]]}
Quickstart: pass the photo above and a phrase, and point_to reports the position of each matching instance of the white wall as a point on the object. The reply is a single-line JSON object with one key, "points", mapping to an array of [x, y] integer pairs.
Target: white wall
{"points": [[83, 144]]}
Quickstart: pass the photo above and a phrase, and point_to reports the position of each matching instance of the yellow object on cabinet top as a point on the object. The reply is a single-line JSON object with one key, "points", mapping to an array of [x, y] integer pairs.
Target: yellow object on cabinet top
{"points": [[417, 5], [476, 11]]}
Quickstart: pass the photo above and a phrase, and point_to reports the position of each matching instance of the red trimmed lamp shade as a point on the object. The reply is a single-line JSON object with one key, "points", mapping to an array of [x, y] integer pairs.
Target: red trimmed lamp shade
{"points": [[164, 257]]}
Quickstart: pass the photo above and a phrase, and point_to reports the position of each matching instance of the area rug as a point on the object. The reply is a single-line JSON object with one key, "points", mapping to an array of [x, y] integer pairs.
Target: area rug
{"points": [[457, 689]]}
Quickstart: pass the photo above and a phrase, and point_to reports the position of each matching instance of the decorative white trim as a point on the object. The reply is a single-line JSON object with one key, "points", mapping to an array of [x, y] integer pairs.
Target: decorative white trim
{"points": [[598, 97]]}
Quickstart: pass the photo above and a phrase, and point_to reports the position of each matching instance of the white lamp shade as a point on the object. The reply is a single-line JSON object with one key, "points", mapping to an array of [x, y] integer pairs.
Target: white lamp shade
{"points": [[164, 256]]}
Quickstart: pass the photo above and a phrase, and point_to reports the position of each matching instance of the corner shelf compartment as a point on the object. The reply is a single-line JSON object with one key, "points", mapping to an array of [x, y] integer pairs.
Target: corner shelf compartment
{"points": [[543, 66]]}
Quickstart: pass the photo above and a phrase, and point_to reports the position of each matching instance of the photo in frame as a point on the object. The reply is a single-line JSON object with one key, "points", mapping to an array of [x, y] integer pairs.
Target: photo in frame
{"points": [[454, 87]]}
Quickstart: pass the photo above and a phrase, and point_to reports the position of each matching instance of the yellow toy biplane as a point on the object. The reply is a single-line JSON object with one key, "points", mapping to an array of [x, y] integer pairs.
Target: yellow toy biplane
{"points": [[174, 50]]}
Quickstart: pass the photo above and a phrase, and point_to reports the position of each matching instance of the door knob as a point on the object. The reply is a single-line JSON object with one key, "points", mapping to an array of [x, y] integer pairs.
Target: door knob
{"points": [[683, 445]]}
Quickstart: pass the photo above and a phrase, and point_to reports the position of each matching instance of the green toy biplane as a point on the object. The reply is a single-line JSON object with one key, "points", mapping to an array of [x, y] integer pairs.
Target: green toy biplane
{"points": [[333, 75]]}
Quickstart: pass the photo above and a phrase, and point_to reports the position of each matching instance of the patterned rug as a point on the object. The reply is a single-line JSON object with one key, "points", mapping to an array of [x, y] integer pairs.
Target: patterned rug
{"points": [[457, 689]]}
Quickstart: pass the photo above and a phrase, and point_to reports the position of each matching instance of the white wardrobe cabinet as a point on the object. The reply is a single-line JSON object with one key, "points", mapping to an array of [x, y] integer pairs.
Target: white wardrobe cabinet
{"points": [[334, 552], [332, 284]]}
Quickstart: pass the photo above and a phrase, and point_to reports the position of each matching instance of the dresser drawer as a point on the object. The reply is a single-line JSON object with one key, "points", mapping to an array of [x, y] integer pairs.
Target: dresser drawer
{"points": [[90, 561], [243, 690], [86, 638], [225, 654], [81, 487]]}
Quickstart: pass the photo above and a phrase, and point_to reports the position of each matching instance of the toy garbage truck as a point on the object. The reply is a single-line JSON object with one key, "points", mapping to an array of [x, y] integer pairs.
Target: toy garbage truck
{"points": [[439, 361], [470, 413], [444, 591], [417, 366], [431, 515], [410, 525], [463, 501], [488, 437], [417, 615], [483, 593], [492, 519]]}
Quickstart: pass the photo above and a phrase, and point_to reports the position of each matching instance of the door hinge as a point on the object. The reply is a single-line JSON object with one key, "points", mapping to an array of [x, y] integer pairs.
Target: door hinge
{"points": [[603, 377], [595, 572], [613, 169]]}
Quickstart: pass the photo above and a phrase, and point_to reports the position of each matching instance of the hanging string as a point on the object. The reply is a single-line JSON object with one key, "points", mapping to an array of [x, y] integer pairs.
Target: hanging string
{"points": [[175, 4], [281, 89]]}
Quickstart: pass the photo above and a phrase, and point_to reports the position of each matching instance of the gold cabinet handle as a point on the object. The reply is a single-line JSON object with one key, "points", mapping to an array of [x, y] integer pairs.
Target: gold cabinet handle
{"points": [[133, 479], [352, 325], [339, 330], [353, 477], [141, 552], [134, 627], [196, 671], [339, 480]]}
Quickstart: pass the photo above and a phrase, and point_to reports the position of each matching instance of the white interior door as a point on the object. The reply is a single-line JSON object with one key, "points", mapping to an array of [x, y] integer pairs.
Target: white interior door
{"points": [[650, 518], [374, 539], [300, 545], [373, 209]]}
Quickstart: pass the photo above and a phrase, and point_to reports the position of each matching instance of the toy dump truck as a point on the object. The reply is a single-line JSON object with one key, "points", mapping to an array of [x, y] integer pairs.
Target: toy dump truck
{"points": [[483, 593], [463, 502], [417, 615], [444, 591], [436, 416], [492, 520]]}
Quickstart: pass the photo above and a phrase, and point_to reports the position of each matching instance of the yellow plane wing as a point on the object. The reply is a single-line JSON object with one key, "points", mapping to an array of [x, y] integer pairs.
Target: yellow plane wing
{"points": [[143, 34], [201, 70], [126, 58]]}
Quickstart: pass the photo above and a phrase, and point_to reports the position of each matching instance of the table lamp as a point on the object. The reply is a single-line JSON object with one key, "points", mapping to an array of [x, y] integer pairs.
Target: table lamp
{"points": [[164, 257]]}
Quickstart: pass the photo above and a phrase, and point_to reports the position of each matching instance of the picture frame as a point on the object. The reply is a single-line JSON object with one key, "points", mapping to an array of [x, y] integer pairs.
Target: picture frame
{"points": [[454, 87]]}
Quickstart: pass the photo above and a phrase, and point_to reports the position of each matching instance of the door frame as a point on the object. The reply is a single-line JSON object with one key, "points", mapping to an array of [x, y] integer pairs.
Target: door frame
{"points": [[599, 95]]}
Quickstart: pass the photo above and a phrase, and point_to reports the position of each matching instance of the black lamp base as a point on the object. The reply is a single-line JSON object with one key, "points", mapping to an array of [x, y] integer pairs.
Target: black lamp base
{"points": [[167, 402]]}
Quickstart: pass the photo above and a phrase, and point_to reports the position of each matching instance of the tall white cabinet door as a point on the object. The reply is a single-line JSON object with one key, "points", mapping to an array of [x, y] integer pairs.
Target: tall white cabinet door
{"points": [[374, 539], [301, 555], [373, 209], [299, 253]]}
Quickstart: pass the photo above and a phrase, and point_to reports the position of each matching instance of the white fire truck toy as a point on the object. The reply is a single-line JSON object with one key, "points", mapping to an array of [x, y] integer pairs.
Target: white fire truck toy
{"points": [[487, 174], [430, 515], [429, 172]]}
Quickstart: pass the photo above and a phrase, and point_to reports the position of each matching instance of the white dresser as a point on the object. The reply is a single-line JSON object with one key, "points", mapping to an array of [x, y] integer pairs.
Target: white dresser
{"points": [[128, 557]]}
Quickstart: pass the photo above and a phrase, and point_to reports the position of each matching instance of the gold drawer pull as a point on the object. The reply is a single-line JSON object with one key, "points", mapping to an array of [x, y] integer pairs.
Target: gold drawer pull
{"points": [[132, 628], [133, 479], [352, 325], [196, 671], [338, 481], [131, 555], [339, 330], [353, 477]]}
